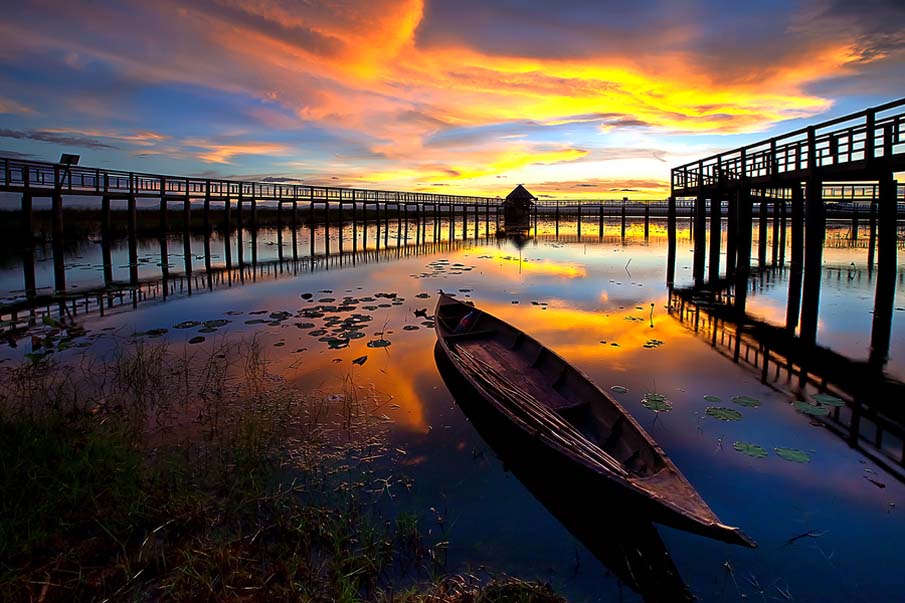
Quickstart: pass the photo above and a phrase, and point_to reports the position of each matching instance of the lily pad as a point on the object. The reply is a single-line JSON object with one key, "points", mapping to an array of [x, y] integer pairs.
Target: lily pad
{"points": [[793, 454], [154, 332], [216, 323], [619, 389], [188, 324], [713, 399], [752, 450], [379, 343], [722, 413], [746, 401], [360, 360], [811, 409], [656, 402], [410, 328], [196, 339], [828, 400]]}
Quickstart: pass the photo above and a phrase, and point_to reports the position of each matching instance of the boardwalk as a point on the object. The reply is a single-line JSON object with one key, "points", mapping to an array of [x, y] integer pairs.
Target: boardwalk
{"points": [[801, 178], [788, 176]]}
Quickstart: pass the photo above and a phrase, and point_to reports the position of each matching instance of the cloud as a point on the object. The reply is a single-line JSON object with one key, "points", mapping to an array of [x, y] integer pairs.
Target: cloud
{"points": [[602, 187], [56, 138], [427, 93], [9, 106]]}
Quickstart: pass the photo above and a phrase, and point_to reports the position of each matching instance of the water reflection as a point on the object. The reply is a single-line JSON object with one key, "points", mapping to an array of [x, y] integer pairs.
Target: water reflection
{"points": [[589, 299], [622, 540]]}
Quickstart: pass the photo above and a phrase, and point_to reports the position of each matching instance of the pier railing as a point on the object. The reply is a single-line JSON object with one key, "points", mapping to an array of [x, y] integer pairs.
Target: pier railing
{"points": [[41, 178], [853, 142]]}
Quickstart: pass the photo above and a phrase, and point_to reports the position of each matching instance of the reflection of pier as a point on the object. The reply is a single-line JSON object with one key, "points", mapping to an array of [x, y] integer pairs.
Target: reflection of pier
{"points": [[342, 244], [236, 270], [873, 420]]}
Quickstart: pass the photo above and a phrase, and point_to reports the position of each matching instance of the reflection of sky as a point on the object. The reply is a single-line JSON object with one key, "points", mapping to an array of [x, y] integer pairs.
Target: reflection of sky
{"points": [[594, 292]]}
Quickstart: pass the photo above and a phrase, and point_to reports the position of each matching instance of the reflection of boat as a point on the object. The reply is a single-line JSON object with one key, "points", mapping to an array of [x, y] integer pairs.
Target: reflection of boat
{"points": [[624, 541], [582, 429]]}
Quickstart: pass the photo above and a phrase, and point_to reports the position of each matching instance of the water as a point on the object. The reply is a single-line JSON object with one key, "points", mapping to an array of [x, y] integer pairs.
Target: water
{"points": [[600, 302]]}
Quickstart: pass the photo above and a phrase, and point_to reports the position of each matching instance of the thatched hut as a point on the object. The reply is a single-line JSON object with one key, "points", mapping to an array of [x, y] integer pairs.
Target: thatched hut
{"points": [[517, 209]]}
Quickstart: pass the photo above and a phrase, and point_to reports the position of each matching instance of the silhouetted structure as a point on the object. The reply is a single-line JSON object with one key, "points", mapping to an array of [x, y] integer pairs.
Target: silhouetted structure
{"points": [[517, 209], [791, 178]]}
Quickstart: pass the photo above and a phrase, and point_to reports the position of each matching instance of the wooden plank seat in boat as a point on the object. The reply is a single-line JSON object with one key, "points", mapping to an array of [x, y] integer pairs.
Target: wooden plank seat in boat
{"points": [[532, 381]]}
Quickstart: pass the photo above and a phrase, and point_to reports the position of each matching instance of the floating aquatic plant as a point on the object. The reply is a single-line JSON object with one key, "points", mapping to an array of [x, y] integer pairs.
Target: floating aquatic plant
{"points": [[828, 400], [722, 413], [619, 389], [793, 455], [746, 401], [811, 409], [752, 450], [713, 399], [656, 402]]}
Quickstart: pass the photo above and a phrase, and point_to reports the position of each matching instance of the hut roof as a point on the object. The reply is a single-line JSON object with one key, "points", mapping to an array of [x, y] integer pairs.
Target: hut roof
{"points": [[520, 194]]}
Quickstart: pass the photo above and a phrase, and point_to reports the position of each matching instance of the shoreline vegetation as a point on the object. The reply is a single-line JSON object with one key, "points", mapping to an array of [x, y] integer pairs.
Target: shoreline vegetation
{"points": [[155, 475]]}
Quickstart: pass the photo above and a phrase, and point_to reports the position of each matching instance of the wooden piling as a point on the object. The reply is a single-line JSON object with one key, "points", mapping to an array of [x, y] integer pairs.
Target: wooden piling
{"points": [[814, 235], [855, 225], [164, 224], [671, 241], [28, 216], [872, 236], [887, 268], [186, 212], [206, 211], [793, 306], [731, 233], [762, 234], [579, 220], [623, 222], [716, 239], [700, 238]]}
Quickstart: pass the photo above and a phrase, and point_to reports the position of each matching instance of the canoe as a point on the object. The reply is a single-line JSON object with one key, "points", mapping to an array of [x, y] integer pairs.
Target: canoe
{"points": [[584, 431], [624, 541]]}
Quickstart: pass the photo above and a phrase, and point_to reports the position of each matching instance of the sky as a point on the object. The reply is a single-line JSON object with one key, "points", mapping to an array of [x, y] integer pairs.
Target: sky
{"points": [[574, 99]]}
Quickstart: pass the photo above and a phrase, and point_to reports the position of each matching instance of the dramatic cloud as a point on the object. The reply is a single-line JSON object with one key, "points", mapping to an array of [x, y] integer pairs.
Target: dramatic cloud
{"points": [[421, 94]]}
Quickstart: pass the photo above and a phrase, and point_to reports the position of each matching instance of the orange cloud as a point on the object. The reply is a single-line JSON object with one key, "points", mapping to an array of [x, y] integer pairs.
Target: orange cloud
{"points": [[364, 72]]}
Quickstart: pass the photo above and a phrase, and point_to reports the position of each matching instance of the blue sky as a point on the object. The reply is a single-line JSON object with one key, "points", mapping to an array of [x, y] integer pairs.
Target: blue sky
{"points": [[585, 99]]}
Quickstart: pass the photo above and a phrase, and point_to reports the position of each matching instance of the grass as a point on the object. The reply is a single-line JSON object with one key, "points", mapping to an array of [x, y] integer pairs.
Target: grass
{"points": [[118, 484]]}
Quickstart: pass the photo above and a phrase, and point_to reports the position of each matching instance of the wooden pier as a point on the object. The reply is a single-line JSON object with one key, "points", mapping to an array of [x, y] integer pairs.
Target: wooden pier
{"points": [[792, 180], [843, 168]]}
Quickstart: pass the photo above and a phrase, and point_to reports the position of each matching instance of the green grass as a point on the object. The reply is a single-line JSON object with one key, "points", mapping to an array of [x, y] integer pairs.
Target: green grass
{"points": [[93, 508]]}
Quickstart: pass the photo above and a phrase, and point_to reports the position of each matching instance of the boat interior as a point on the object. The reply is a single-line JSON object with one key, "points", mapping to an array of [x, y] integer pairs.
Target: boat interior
{"points": [[514, 356]]}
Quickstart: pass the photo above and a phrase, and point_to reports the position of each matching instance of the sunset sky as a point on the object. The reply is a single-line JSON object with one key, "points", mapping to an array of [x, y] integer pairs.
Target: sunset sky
{"points": [[573, 99]]}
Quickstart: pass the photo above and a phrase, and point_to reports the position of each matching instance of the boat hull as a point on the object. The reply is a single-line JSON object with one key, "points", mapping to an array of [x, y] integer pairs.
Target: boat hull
{"points": [[556, 463]]}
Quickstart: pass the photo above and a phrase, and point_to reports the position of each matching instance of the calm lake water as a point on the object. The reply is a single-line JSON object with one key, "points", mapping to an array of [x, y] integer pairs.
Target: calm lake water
{"points": [[829, 530]]}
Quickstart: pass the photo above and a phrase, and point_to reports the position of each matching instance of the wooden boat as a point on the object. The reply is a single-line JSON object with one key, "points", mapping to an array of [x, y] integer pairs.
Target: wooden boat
{"points": [[584, 431], [624, 541]]}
